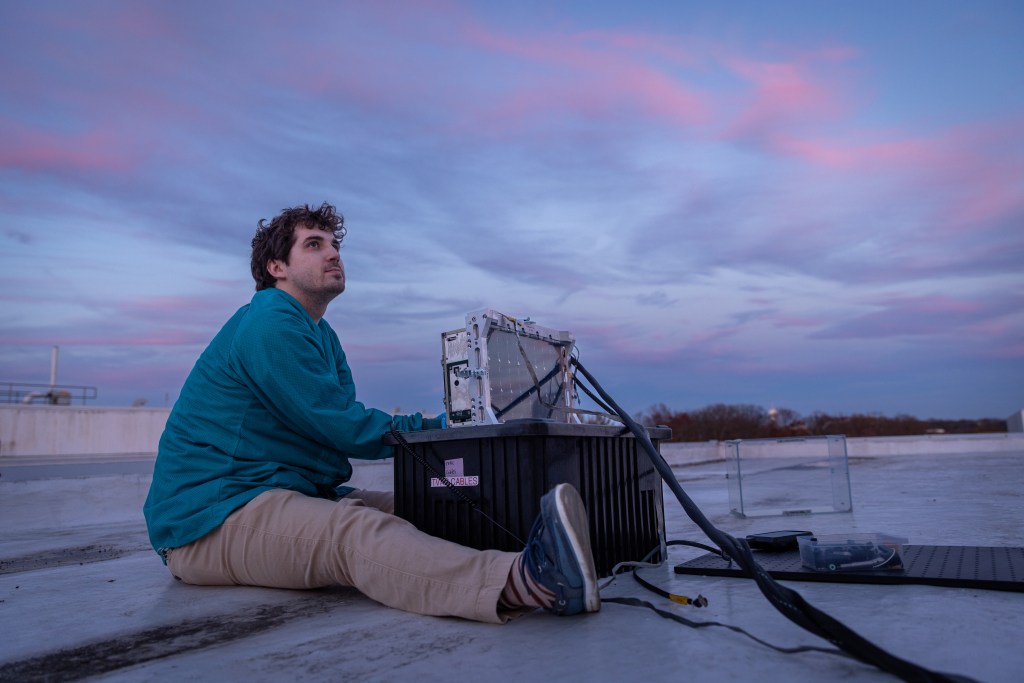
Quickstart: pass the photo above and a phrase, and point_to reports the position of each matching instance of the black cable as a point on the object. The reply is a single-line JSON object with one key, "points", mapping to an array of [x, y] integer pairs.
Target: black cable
{"points": [[498, 413], [701, 601], [551, 406], [702, 546], [792, 605], [636, 602], [595, 399]]}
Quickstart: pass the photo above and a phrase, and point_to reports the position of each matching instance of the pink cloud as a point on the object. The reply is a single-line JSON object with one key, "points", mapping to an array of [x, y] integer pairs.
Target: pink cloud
{"points": [[980, 167], [964, 178], [645, 96], [610, 74], [965, 172], [847, 154], [593, 74], [94, 150], [783, 94]]}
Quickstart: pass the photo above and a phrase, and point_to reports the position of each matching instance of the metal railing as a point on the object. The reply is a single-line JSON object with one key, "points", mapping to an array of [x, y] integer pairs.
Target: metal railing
{"points": [[55, 395]]}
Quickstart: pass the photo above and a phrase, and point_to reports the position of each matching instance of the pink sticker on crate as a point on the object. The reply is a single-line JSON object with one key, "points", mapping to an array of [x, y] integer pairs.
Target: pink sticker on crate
{"points": [[454, 474]]}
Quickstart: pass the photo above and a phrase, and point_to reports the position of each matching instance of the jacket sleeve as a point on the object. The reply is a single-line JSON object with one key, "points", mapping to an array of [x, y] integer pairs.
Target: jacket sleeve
{"points": [[285, 361]]}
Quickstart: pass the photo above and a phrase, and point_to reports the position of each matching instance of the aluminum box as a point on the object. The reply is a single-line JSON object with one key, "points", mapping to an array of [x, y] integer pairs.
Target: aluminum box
{"points": [[499, 368]]}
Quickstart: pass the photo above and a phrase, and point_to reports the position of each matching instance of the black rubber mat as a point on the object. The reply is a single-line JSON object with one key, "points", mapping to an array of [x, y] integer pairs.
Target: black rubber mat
{"points": [[934, 565]]}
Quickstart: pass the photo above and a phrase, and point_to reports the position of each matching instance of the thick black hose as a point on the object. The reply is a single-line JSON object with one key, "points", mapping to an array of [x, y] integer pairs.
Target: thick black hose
{"points": [[786, 600]]}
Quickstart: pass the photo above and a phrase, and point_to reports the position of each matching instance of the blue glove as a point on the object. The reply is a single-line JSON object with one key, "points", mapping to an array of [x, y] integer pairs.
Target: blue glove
{"points": [[439, 422]]}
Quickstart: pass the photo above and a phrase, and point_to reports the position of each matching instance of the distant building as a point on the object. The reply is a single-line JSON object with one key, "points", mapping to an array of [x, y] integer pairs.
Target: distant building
{"points": [[1015, 423]]}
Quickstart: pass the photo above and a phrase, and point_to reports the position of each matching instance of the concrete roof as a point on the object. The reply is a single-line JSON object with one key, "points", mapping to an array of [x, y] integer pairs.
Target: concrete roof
{"points": [[82, 594]]}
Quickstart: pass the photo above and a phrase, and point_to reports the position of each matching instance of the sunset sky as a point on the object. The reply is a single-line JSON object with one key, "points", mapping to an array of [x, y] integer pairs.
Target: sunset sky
{"points": [[809, 205]]}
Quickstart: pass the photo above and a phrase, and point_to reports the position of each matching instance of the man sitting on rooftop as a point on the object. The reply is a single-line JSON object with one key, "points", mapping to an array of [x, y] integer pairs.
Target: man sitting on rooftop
{"points": [[249, 482]]}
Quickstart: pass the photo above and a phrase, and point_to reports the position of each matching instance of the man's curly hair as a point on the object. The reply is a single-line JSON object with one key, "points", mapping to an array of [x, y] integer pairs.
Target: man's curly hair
{"points": [[274, 240]]}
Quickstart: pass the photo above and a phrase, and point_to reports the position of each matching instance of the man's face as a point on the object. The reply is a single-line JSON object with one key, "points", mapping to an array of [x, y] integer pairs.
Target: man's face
{"points": [[314, 271]]}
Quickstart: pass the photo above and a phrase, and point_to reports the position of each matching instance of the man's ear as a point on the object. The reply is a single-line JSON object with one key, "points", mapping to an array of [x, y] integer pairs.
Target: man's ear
{"points": [[275, 268]]}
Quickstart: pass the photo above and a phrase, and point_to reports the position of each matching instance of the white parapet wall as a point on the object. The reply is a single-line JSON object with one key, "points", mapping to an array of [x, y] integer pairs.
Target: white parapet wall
{"points": [[934, 444], [40, 431], [682, 453], [691, 453]]}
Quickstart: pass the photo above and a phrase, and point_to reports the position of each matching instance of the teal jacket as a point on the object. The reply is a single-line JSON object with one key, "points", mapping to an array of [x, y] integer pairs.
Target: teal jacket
{"points": [[269, 405]]}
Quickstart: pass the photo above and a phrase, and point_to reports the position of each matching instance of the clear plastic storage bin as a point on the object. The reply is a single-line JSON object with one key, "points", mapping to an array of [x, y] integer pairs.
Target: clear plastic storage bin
{"points": [[791, 476]]}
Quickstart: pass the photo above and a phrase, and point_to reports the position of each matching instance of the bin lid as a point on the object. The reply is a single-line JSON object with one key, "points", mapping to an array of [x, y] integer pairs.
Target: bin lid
{"points": [[527, 427]]}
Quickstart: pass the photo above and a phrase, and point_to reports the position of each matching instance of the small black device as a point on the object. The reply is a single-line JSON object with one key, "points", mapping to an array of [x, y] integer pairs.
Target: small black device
{"points": [[776, 540]]}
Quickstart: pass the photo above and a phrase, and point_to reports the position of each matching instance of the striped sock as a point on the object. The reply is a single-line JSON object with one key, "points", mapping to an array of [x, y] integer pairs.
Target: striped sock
{"points": [[522, 590]]}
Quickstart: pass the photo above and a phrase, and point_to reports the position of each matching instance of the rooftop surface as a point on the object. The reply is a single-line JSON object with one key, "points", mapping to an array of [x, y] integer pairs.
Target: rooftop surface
{"points": [[82, 595]]}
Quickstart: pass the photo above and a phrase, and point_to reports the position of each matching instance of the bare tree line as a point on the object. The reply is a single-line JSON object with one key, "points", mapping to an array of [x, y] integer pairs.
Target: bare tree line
{"points": [[721, 422]]}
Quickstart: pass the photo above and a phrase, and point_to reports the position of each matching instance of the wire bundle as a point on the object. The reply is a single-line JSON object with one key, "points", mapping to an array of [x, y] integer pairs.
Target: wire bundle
{"points": [[786, 600]]}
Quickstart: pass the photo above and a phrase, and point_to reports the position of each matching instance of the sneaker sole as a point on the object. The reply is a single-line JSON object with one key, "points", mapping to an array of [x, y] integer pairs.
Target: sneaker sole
{"points": [[571, 509]]}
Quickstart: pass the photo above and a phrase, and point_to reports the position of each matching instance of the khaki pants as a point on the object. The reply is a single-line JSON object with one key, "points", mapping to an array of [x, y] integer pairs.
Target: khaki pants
{"points": [[283, 539]]}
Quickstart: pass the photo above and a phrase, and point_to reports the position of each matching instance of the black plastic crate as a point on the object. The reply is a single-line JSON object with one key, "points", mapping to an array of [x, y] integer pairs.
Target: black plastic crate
{"points": [[504, 469]]}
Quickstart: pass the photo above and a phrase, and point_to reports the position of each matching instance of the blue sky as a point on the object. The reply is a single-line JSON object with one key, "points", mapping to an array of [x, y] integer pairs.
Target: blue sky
{"points": [[808, 205]]}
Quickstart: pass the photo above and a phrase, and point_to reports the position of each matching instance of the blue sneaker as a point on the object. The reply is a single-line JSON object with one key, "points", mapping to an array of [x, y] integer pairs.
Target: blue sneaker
{"points": [[558, 555]]}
